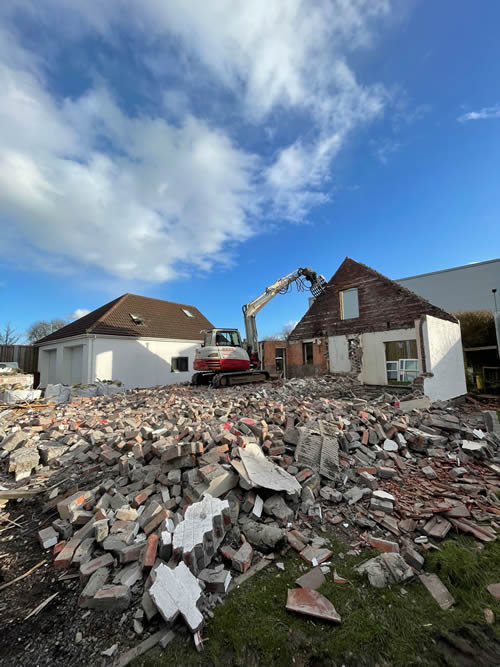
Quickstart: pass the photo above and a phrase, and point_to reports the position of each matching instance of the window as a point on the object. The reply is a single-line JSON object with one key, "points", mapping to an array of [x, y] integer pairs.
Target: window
{"points": [[227, 338], [179, 364], [308, 353], [137, 319], [392, 370], [408, 369], [187, 312], [349, 308]]}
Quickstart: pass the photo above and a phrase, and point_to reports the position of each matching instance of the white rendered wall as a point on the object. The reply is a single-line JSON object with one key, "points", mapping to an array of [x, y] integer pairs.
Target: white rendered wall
{"points": [[65, 362], [140, 362], [443, 352], [462, 288], [374, 363], [338, 354]]}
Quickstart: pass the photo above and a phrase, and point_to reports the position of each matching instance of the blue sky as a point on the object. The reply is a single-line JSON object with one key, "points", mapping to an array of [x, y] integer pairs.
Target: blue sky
{"points": [[198, 151]]}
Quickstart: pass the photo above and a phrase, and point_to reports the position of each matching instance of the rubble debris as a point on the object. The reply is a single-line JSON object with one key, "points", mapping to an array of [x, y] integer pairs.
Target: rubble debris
{"points": [[313, 579], [311, 603], [438, 590], [386, 569], [176, 591], [264, 473], [494, 589], [216, 482]]}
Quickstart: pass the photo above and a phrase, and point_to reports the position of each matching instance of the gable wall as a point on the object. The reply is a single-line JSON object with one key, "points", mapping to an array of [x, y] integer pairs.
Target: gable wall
{"points": [[383, 305]]}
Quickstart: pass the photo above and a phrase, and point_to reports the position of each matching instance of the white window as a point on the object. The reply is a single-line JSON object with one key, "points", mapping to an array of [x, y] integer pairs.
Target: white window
{"points": [[408, 369], [392, 370], [349, 308], [187, 312]]}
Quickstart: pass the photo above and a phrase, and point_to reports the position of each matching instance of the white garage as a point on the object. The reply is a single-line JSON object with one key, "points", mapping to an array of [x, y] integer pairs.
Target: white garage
{"points": [[142, 342]]}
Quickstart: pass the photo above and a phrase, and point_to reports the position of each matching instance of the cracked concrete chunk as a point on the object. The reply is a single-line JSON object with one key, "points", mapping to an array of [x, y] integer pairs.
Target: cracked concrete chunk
{"points": [[311, 603], [197, 538], [386, 569], [176, 591], [313, 579], [438, 590]]}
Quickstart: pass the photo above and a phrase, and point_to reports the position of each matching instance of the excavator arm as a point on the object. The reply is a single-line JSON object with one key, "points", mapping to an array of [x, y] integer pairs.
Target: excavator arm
{"points": [[305, 278]]}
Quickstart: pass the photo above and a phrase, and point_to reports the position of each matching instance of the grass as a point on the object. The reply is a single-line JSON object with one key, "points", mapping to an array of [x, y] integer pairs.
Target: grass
{"points": [[396, 625]]}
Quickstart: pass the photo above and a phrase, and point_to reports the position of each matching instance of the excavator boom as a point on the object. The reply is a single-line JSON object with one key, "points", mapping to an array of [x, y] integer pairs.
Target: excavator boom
{"points": [[306, 278]]}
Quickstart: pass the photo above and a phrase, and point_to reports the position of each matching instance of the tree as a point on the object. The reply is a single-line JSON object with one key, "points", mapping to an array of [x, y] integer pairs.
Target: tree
{"points": [[284, 333], [43, 328], [478, 328], [9, 335]]}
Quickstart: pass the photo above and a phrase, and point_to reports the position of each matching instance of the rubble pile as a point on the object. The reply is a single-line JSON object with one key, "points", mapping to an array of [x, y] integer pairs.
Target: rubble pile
{"points": [[164, 498]]}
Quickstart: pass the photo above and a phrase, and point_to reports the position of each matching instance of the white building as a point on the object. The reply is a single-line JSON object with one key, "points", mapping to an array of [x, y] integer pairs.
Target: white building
{"points": [[142, 342], [367, 325], [462, 288]]}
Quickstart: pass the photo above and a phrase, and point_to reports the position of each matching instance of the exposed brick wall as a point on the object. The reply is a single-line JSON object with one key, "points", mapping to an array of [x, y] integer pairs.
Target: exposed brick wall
{"points": [[269, 353], [295, 358], [383, 305]]}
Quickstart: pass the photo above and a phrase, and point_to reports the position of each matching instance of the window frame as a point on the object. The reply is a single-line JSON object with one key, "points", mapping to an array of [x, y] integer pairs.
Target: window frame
{"points": [[342, 309], [305, 345]]}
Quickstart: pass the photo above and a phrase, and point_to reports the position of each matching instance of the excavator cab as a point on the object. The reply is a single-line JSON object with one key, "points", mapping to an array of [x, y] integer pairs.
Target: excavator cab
{"points": [[222, 338]]}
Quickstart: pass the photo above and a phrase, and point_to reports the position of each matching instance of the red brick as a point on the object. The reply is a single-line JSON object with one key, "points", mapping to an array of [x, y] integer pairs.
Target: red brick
{"points": [[149, 556], [58, 547], [303, 475], [65, 556], [364, 437], [383, 545], [156, 520]]}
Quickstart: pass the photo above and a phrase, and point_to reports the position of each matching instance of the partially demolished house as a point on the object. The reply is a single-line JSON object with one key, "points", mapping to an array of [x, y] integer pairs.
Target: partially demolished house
{"points": [[369, 326], [138, 340]]}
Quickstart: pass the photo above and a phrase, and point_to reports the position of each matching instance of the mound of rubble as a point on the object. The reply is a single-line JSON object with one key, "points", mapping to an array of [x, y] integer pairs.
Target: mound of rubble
{"points": [[165, 496]]}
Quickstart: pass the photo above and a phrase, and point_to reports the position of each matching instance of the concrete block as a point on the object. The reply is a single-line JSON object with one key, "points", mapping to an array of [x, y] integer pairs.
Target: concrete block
{"points": [[242, 559], [48, 537], [96, 581], [111, 598], [22, 462]]}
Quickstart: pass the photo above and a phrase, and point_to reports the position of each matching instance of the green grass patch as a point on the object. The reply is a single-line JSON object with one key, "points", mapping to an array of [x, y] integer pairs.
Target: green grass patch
{"points": [[395, 625]]}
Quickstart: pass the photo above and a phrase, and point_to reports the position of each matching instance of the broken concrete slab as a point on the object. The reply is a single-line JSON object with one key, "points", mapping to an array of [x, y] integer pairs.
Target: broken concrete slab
{"points": [[311, 603], [22, 462], [438, 590], [386, 569], [264, 473], [313, 579], [197, 538], [176, 591]]}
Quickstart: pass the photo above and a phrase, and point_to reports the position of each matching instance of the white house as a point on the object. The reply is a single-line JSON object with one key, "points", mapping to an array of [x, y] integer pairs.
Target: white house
{"points": [[369, 326], [138, 340]]}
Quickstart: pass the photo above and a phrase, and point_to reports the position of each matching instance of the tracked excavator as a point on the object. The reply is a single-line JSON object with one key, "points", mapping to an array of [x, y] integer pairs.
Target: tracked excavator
{"points": [[224, 359]]}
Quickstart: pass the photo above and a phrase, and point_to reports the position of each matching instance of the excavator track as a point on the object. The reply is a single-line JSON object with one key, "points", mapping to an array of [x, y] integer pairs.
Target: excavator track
{"points": [[229, 379]]}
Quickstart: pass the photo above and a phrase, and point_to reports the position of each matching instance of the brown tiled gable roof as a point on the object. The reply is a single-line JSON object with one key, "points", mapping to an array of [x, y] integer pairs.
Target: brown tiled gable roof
{"points": [[162, 319], [383, 304]]}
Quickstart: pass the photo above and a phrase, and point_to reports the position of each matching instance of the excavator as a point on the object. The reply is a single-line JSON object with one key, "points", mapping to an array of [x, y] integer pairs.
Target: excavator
{"points": [[224, 360]]}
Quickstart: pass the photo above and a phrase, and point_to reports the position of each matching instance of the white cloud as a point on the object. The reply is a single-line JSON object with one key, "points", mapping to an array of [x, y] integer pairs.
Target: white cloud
{"points": [[483, 114], [384, 149], [143, 197], [79, 312]]}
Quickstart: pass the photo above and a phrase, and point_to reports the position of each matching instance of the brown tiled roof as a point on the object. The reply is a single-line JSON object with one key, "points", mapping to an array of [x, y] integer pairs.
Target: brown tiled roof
{"points": [[161, 319]]}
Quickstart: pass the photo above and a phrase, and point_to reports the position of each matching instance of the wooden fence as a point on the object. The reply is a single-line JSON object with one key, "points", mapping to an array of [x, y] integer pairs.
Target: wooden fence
{"points": [[25, 355]]}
